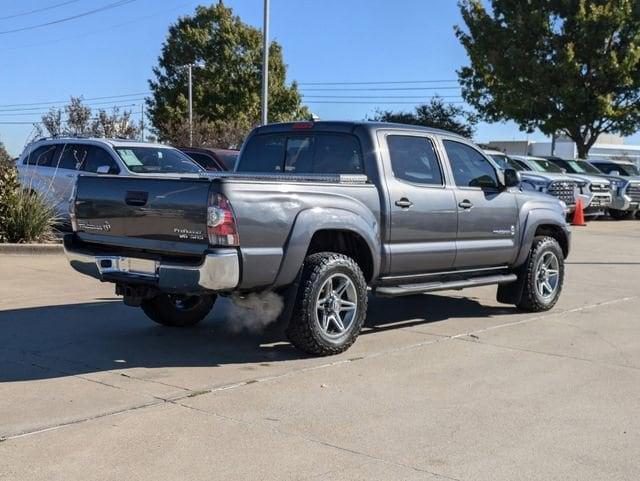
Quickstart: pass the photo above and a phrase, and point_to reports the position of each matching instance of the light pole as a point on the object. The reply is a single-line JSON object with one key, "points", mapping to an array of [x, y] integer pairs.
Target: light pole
{"points": [[265, 66], [189, 68]]}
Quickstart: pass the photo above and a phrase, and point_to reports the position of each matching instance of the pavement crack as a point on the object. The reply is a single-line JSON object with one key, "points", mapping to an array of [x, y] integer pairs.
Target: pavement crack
{"points": [[262, 425], [550, 354]]}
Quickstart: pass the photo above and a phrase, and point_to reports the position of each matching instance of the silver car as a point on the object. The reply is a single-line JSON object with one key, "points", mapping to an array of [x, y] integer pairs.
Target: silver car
{"points": [[51, 166], [595, 192]]}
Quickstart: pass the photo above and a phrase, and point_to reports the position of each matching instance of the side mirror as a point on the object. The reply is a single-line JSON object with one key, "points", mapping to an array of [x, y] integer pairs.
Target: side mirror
{"points": [[103, 169], [615, 172], [511, 178], [564, 171]]}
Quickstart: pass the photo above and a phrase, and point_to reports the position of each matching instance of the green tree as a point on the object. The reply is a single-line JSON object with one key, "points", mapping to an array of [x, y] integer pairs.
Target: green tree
{"points": [[436, 114], [569, 66], [226, 87]]}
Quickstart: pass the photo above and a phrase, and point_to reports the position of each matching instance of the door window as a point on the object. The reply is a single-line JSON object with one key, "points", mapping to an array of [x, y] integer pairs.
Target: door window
{"points": [[72, 156], [98, 157], [42, 156], [414, 159], [470, 168]]}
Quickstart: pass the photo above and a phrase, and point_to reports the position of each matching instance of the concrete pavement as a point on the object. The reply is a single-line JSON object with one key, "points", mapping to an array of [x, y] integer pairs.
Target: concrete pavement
{"points": [[437, 387]]}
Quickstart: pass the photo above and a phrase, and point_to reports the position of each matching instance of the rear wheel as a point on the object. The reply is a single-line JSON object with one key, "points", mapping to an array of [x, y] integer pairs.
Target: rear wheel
{"points": [[619, 214], [543, 275], [178, 310], [331, 305]]}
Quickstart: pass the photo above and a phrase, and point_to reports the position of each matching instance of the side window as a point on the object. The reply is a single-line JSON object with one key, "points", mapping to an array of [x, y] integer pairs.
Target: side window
{"points": [[42, 156], [204, 160], [72, 156], [263, 153], [606, 168], [299, 154], [98, 157], [470, 168], [337, 154], [414, 159]]}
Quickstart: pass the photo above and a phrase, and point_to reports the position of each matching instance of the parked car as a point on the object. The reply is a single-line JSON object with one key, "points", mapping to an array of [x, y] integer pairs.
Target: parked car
{"points": [[51, 166], [559, 186], [594, 203], [628, 171], [319, 212], [600, 187], [620, 201], [213, 159]]}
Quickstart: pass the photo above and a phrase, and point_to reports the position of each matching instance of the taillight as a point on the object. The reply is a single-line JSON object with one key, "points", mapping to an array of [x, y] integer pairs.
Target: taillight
{"points": [[72, 209], [221, 223]]}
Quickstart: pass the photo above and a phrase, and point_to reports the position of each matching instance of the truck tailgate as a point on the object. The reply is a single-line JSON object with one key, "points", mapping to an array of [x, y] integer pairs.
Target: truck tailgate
{"points": [[165, 215]]}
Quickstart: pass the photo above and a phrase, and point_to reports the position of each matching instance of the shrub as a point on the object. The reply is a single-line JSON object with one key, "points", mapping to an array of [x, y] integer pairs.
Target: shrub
{"points": [[24, 216]]}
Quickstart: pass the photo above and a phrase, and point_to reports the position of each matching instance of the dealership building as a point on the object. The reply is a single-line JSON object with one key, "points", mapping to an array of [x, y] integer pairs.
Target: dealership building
{"points": [[608, 147]]}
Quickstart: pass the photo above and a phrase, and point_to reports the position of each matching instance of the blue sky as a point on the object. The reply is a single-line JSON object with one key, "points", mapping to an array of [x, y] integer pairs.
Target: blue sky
{"points": [[111, 53]]}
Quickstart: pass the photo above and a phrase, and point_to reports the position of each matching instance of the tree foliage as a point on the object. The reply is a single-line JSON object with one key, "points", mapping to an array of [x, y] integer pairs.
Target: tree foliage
{"points": [[226, 85], [5, 158], [218, 134], [80, 120], [571, 66], [436, 114]]}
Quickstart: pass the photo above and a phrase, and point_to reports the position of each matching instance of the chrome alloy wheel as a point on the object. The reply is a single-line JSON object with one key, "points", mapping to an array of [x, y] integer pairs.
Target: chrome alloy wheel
{"points": [[547, 275], [336, 306]]}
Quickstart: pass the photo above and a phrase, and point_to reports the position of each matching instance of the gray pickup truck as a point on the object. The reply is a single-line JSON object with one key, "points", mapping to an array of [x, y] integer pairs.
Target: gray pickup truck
{"points": [[321, 213]]}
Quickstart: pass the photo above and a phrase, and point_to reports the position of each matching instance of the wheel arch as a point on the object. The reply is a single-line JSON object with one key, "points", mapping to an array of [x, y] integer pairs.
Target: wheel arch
{"points": [[333, 230], [543, 222]]}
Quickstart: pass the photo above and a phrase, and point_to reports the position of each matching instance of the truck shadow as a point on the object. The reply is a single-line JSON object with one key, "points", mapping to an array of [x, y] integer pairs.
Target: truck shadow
{"points": [[74, 339]]}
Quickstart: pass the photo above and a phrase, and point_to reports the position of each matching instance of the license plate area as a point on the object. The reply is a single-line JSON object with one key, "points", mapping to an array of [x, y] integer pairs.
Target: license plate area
{"points": [[127, 265]]}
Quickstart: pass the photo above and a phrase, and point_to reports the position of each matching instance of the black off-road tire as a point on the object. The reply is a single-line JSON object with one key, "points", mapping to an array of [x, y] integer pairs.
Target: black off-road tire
{"points": [[178, 311], [619, 214], [531, 300], [304, 330]]}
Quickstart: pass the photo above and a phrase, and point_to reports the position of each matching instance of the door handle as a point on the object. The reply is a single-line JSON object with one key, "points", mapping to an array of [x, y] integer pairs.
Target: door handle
{"points": [[404, 203], [465, 204], [137, 199]]}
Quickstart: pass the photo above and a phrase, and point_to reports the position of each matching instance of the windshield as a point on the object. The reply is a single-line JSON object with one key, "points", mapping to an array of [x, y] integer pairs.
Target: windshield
{"points": [[154, 160], [582, 167], [542, 165], [505, 162], [627, 169]]}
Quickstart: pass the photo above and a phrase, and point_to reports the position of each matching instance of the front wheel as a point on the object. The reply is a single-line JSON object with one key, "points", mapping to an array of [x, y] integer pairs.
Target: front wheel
{"points": [[331, 305], [543, 275], [178, 310]]}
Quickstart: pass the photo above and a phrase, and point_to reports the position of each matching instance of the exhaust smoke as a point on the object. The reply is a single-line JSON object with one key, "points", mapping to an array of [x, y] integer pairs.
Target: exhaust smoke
{"points": [[252, 312]]}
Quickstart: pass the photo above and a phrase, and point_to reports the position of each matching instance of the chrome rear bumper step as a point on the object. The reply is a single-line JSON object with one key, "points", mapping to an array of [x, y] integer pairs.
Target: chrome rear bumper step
{"points": [[411, 289]]}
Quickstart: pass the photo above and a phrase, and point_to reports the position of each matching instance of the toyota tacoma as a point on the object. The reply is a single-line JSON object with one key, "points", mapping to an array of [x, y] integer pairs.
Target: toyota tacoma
{"points": [[322, 213]]}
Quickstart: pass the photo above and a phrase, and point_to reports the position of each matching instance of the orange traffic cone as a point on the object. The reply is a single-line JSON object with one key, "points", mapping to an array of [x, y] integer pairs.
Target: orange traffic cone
{"points": [[578, 214]]}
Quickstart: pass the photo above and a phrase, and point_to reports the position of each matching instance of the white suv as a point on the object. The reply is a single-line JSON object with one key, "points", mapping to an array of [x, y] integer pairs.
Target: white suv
{"points": [[50, 166]]}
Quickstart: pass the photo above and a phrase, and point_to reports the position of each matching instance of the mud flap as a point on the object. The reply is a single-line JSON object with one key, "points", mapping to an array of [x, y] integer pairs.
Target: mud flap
{"points": [[512, 293]]}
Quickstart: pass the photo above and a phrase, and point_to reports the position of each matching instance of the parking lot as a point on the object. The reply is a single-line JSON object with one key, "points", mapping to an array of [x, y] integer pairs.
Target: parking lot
{"points": [[437, 387]]}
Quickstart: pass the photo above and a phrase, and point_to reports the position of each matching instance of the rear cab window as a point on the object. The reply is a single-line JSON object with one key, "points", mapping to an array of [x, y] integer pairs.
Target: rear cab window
{"points": [[293, 153]]}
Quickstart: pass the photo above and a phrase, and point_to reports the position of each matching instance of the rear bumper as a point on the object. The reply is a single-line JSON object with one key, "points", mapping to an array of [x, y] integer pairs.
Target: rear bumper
{"points": [[218, 272]]}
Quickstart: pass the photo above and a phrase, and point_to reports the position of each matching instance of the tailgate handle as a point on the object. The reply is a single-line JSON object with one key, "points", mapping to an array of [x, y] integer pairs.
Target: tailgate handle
{"points": [[137, 199]]}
